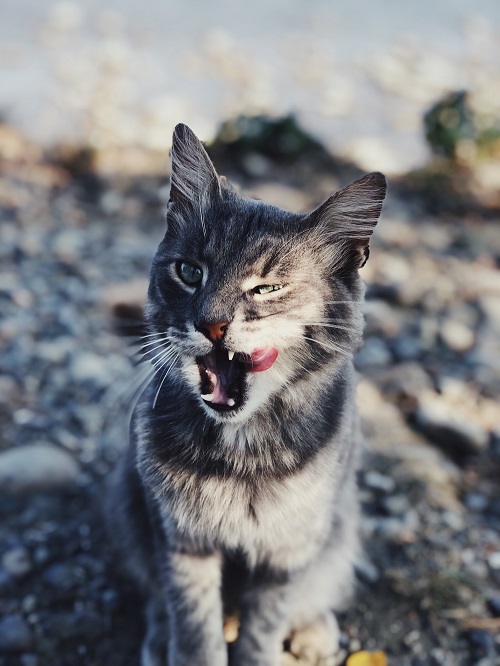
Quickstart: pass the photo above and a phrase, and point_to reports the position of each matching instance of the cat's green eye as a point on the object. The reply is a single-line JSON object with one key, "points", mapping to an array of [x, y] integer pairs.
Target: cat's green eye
{"points": [[266, 288], [189, 273]]}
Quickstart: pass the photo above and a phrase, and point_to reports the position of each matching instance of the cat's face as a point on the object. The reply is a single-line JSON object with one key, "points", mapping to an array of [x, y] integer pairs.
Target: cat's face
{"points": [[245, 299]]}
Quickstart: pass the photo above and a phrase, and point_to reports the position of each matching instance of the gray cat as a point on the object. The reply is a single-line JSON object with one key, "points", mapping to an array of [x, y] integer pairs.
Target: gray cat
{"points": [[237, 494]]}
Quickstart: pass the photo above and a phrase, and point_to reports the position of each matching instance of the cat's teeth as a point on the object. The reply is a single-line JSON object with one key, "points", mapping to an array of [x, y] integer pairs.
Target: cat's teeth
{"points": [[208, 397], [231, 402], [230, 355]]}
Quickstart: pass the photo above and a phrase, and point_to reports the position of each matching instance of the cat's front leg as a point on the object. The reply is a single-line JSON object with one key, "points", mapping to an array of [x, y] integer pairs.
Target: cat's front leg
{"points": [[264, 621], [194, 606]]}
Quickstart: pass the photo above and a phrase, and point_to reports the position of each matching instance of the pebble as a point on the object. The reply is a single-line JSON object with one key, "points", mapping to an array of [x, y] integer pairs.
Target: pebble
{"points": [[494, 560], [15, 634], [476, 502], [379, 482], [457, 335], [481, 640], [61, 576], [29, 660], [367, 571], [456, 437], [374, 353], [36, 467], [17, 562], [493, 604], [396, 505], [87, 366]]}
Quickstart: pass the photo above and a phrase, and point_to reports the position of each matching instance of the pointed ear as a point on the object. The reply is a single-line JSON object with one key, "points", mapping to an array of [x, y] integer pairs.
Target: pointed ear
{"points": [[351, 214], [194, 179]]}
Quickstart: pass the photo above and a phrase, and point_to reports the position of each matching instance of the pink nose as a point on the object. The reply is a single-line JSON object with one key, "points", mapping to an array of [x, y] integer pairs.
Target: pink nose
{"points": [[214, 331]]}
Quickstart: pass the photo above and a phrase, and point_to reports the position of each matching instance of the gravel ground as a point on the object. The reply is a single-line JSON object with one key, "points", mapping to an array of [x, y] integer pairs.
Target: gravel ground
{"points": [[73, 249]]}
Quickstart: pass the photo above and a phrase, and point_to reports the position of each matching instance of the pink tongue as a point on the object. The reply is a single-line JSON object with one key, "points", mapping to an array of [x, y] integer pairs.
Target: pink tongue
{"points": [[262, 359]]}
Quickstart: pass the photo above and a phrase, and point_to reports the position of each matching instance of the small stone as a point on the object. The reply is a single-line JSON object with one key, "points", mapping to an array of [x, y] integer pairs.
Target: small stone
{"points": [[61, 576], [396, 505], [494, 560], [87, 366], [36, 467], [476, 502], [17, 562], [367, 571], [111, 202], [481, 640], [374, 353], [493, 604], [446, 430], [29, 660], [380, 482], [15, 634], [457, 336]]}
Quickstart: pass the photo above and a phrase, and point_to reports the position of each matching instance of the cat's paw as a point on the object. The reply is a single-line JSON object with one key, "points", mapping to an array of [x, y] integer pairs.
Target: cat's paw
{"points": [[316, 644]]}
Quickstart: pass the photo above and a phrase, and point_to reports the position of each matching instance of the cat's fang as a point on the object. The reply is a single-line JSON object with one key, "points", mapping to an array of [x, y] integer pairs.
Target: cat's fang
{"points": [[208, 397], [230, 354], [231, 402]]}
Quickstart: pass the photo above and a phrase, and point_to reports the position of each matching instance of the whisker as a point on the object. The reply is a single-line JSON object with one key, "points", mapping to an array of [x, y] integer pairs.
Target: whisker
{"points": [[330, 346], [168, 351], [150, 335], [173, 362], [152, 342], [350, 329]]}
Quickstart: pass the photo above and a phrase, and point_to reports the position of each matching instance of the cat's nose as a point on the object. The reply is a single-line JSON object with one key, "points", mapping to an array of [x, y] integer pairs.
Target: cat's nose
{"points": [[215, 331]]}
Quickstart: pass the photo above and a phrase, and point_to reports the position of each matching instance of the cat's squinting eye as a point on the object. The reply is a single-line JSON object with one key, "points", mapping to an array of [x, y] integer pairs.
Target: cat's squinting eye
{"points": [[266, 288], [189, 273]]}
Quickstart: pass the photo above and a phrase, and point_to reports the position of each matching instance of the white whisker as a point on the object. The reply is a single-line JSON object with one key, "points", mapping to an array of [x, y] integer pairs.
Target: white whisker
{"points": [[173, 362]]}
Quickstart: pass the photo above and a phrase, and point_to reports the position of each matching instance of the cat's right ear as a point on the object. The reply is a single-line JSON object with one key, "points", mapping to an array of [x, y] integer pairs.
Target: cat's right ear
{"points": [[193, 181]]}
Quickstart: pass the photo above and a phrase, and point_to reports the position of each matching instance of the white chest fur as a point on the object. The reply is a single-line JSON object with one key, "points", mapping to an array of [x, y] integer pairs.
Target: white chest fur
{"points": [[283, 522]]}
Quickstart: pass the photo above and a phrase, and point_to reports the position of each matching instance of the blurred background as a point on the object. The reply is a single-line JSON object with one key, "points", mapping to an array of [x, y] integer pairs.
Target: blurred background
{"points": [[294, 100], [361, 75]]}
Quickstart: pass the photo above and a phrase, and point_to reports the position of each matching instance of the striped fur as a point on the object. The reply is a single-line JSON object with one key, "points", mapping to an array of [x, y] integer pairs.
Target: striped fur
{"points": [[251, 510]]}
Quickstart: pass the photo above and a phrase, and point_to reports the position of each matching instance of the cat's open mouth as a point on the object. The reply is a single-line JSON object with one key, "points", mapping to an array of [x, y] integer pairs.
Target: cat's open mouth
{"points": [[223, 375]]}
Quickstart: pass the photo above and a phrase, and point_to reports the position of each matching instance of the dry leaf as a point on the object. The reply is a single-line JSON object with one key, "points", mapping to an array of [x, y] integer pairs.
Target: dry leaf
{"points": [[365, 658]]}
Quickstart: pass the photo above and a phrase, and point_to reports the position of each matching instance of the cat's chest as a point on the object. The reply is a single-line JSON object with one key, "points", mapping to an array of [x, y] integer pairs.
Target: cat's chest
{"points": [[274, 520]]}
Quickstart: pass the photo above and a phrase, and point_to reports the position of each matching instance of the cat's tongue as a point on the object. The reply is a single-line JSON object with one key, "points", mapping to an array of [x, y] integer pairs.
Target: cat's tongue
{"points": [[262, 359]]}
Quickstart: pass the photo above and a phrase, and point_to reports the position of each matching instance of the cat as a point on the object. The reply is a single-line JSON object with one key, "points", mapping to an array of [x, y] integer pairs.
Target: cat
{"points": [[237, 493]]}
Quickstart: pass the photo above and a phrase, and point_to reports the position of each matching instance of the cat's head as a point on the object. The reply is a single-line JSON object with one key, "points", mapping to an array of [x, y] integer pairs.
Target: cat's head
{"points": [[247, 300]]}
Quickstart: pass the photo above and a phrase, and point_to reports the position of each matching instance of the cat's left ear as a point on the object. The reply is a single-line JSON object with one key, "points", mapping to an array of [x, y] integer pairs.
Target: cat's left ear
{"points": [[194, 179], [351, 214]]}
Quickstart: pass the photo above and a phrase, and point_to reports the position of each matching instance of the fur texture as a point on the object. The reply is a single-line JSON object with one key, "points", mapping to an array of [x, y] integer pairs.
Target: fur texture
{"points": [[237, 493]]}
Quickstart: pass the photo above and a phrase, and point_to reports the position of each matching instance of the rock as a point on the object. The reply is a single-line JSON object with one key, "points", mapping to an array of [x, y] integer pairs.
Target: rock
{"points": [[404, 382], [396, 505], [456, 437], [481, 641], [61, 576], [493, 604], [36, 467], [29, 660], [476, 502], [89, 367], [15, 634], [494, 560], [406, 348], [17, 562], [379, 482], [457, 335], [367, 571], [374, 353]]}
